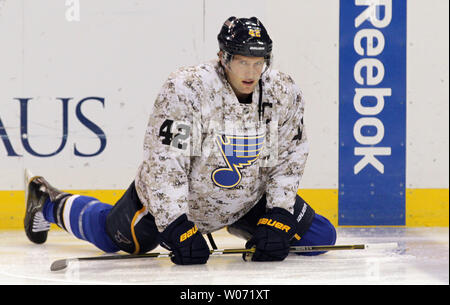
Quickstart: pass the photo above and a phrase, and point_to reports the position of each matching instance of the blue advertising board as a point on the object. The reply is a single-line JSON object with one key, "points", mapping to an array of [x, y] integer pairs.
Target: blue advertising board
{"points": [[372, 112]]}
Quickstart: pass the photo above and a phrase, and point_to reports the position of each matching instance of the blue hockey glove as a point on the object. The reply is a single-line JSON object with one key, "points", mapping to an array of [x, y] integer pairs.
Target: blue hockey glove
{"points": [[186, 243]]}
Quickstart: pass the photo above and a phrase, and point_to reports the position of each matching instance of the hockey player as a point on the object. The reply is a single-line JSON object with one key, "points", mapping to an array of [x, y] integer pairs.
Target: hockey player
{"points": [[225, 147]]}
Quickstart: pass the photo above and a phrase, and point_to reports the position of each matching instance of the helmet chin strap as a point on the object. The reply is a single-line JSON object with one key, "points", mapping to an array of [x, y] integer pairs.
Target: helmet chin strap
{"points": [[260, 106]]}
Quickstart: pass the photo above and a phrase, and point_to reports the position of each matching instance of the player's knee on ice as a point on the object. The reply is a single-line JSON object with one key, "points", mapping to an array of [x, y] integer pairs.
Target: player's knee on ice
{"points": [[321, 232]]}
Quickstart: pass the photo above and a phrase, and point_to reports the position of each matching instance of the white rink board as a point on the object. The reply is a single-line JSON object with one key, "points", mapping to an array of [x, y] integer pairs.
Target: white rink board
{"points": [[122, 51]]}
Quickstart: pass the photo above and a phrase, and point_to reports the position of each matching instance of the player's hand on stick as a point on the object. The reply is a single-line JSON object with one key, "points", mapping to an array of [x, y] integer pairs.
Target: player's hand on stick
{"points": [[272, 236], [188, 246]]}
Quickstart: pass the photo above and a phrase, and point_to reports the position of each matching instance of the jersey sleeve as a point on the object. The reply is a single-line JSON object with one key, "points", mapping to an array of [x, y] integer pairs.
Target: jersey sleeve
{"points": [[162, 180], [283, 179]]}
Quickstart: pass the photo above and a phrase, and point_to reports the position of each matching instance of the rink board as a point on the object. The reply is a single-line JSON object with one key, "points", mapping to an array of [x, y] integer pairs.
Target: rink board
{"points": [[78, 117], [424, 207]]}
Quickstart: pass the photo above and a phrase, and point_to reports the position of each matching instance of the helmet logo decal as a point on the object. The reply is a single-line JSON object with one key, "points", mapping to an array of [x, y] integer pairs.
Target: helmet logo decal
{"points": [[254, 32]]}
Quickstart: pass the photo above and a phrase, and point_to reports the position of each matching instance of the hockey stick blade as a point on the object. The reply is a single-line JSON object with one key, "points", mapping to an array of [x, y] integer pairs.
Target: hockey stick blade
{"points": [[59, 264], [62, 264]]}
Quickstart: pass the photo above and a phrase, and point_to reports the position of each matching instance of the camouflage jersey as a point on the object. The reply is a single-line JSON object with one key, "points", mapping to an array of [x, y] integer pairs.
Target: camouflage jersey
{"points": [[211, 157]]}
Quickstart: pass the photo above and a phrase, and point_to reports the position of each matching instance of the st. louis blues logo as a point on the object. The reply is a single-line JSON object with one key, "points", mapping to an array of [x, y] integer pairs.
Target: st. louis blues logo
{"points": [[238, 152]]}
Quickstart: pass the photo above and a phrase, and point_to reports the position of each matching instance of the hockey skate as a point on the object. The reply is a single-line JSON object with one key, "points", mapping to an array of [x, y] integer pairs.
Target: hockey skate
{"points": [[37, 190]]}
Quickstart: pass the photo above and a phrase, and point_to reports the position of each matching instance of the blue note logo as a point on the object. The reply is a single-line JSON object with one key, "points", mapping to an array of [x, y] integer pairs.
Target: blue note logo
{"points": [[238, 152]]}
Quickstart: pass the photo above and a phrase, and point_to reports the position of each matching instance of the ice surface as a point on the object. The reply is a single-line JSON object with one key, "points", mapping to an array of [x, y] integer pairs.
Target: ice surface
{"points": [[422, 258]]}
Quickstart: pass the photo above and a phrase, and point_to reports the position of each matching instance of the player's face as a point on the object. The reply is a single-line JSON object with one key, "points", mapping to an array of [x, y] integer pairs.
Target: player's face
{"points": [[243, 73]]}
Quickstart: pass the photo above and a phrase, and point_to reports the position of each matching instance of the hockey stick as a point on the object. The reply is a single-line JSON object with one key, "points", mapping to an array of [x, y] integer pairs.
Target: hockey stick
{"points": [[62, 264]]}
